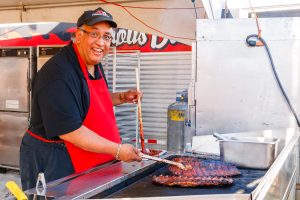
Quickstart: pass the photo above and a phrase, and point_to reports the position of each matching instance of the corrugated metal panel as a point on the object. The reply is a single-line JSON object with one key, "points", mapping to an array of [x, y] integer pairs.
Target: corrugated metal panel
{"points": [[120, 68], [161, 76]]}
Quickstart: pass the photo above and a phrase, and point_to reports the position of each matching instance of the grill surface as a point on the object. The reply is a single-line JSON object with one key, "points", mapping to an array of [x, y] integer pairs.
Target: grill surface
{"points": [[142, 186]]}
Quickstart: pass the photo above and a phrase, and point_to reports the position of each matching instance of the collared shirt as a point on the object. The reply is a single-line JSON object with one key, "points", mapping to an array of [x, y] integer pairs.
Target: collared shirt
{"points": [[97, 74]]}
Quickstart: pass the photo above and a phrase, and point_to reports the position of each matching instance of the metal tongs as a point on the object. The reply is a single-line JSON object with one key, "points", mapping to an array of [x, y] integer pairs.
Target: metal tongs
{"points": [[179, 165]]}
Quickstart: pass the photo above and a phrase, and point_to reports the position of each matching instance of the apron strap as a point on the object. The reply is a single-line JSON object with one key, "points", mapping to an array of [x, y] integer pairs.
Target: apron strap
{"points": [[43, 139], [102, 73]]}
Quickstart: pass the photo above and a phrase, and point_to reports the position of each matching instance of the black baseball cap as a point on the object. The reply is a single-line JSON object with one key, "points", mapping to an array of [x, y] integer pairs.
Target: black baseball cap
{"points": [[91, 17]]}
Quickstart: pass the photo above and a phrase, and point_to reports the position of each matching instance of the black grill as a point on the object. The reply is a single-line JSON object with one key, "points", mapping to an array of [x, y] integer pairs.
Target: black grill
{"points": [[141, 185]]}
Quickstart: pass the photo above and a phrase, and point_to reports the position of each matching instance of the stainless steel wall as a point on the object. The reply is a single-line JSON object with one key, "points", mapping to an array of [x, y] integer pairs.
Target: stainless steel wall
{"points": [[235, 87], [12, 125], [16, 68], [13, 84]]}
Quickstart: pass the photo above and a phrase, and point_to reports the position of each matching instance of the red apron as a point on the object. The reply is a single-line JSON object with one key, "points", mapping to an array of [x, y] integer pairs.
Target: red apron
{"points": [[100, 119]]}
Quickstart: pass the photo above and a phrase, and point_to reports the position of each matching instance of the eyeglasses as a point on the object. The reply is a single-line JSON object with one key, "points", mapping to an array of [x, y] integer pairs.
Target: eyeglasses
{"points": [[96, 35]]}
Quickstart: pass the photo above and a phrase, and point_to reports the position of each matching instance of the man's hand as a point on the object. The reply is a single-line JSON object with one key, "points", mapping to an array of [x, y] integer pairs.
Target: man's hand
{"points": [[129, 153], [131, 96]]}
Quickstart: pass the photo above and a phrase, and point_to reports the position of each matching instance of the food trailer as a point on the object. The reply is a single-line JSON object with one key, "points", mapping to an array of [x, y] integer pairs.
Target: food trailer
{"points": [[231, 90], [276, 181]]}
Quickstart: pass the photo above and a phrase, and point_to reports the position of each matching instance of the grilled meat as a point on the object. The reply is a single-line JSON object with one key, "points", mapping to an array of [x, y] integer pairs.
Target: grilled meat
{"points": [[184, 181], [196, 167], [152, 152], [199, 172]]}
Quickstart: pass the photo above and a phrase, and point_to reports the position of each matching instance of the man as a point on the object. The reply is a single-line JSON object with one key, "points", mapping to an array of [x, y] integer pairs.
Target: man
{"points": [[72, 126]]}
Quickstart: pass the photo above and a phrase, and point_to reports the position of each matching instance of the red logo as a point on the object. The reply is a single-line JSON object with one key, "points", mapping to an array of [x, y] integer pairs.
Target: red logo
{"points": [[100, 12]]}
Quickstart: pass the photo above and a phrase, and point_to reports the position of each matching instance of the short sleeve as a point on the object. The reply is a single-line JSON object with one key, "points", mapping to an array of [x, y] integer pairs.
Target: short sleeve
{"points": [[60, 111]]}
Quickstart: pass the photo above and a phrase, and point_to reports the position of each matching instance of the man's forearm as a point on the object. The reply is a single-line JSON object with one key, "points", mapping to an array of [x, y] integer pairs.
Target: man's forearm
{"points": [[88, 140], [117, 98]]}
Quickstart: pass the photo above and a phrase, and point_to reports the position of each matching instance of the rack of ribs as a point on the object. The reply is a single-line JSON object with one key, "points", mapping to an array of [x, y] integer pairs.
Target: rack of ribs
{"points": [[203, 167], [184, 181], [199, 172]]}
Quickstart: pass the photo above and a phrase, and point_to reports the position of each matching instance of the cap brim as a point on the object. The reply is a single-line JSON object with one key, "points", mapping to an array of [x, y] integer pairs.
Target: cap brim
{"points": [[101, 19]]}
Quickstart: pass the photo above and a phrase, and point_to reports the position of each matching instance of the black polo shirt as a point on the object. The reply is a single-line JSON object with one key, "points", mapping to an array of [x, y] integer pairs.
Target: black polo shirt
{"points": [[60, 95]]}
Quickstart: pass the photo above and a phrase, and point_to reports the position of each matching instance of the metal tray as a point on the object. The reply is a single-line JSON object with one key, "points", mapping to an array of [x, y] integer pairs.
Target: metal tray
{"points": [[249, 152]]}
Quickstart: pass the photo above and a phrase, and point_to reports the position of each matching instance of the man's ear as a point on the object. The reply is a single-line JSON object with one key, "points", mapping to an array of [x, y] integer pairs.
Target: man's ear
{"points": [[78, 35]]}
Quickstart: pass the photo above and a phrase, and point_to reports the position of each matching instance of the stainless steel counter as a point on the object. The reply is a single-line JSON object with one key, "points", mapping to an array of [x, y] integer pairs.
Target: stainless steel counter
{"points": [[277, 183]]}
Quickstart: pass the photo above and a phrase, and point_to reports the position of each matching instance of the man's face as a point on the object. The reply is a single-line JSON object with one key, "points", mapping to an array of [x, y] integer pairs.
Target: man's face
{"points": [[93, 42]]}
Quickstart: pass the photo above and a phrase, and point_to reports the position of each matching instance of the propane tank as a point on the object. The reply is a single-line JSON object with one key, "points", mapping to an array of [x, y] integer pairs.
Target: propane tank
{"points": [[177, 113]]}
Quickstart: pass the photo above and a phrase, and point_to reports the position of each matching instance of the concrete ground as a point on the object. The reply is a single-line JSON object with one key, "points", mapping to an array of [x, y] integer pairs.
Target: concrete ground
{"points": [[5, 176]]}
